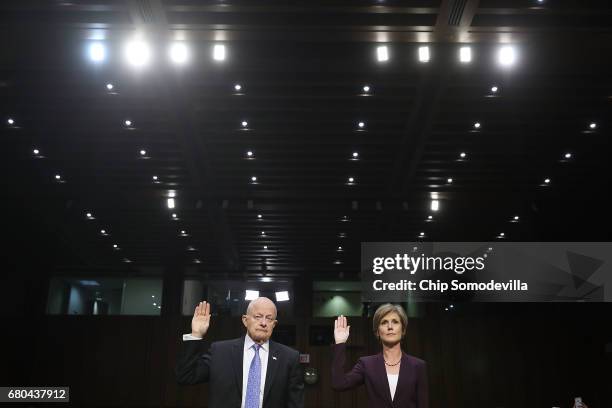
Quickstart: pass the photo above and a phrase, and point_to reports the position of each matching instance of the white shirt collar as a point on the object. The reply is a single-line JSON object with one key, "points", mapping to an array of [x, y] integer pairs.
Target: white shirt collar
{"points": [[248, 343]]}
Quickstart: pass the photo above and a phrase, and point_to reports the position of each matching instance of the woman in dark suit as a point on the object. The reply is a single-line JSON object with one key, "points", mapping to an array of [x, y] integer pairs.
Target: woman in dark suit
{"points": [[393, 379]]}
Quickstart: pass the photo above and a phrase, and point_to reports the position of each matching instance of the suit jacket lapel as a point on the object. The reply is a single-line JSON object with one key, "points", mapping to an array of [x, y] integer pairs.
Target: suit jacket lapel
{"points": [[271, 369], [381, 373], [237, 357], [403, 381]]}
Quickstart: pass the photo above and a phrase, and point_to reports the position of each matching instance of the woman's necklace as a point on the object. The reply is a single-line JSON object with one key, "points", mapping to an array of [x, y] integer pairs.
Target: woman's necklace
{"points": [[391, 365]]}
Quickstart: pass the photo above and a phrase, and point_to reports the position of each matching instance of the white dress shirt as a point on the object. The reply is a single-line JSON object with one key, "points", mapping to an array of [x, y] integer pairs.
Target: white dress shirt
{"points": [[392, 378], [249, 353], [247, 357]]}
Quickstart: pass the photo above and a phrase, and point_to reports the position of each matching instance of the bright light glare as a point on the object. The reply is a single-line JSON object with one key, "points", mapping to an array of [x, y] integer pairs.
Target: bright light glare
{"points": [[382, 53], [138, 53], [465, 54], [179, 53], [219, 52], [97, 52], [507, 56], [435, 205], [424, 54], [251, 295], [282, 296]]}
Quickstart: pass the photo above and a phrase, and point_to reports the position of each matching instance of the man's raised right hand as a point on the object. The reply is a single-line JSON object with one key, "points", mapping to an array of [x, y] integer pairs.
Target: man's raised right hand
{"points": [[201, 320]]}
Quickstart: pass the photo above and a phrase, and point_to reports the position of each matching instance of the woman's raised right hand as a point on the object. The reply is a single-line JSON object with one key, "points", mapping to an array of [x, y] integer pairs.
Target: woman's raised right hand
{"points": [[341, 330]]}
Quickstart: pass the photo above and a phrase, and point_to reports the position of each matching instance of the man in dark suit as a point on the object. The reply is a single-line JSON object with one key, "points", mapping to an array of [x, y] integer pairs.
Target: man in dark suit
{"points": [[248, 372]]}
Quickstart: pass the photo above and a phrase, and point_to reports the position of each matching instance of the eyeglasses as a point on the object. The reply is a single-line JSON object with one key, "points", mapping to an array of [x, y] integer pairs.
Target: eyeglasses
{"points": [[260, 318]]}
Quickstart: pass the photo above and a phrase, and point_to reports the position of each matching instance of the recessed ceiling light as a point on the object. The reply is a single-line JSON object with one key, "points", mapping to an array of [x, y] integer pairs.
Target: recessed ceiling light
{"points": [[197, 261], [128, 123], [494, 89], [143, 152], [155, 178], [501, 234], [170, 203], [516, 218], [361, 125], [465, 54], [97, 52], [237, 87], [568, 155], [462, 155], [58, 177], [338, 262], [219, 52], [10, 121], [183, 232], [88, 215], [339, 248], [382, 53], [422, 234], [179, 54], [424, 54], [355, 155], [249, 153], [263, 233], [430, 217], [265, 247], [174, 216], [253, 179], [138, 53], [36, 151], [259, 216], [244, 123], [477, 125], [547, 181], [103, 231], [506, 56], [351, 180], [115, 246], [449, 180], [109, 86], [593, 125], [366, 88], [171, 194]]}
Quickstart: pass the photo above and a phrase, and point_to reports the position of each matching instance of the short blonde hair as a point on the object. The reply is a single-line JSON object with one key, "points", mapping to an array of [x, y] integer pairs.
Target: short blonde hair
{"points": [[384, 310]]}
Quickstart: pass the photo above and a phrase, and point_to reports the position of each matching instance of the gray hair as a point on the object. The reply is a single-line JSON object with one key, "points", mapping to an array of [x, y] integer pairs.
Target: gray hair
{"points": [[249, 309]]}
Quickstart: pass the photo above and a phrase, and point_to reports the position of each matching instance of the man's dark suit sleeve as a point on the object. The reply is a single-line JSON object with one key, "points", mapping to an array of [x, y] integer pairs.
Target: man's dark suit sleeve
{"points": [[422, 387], [193, 363], [295, 397]]}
